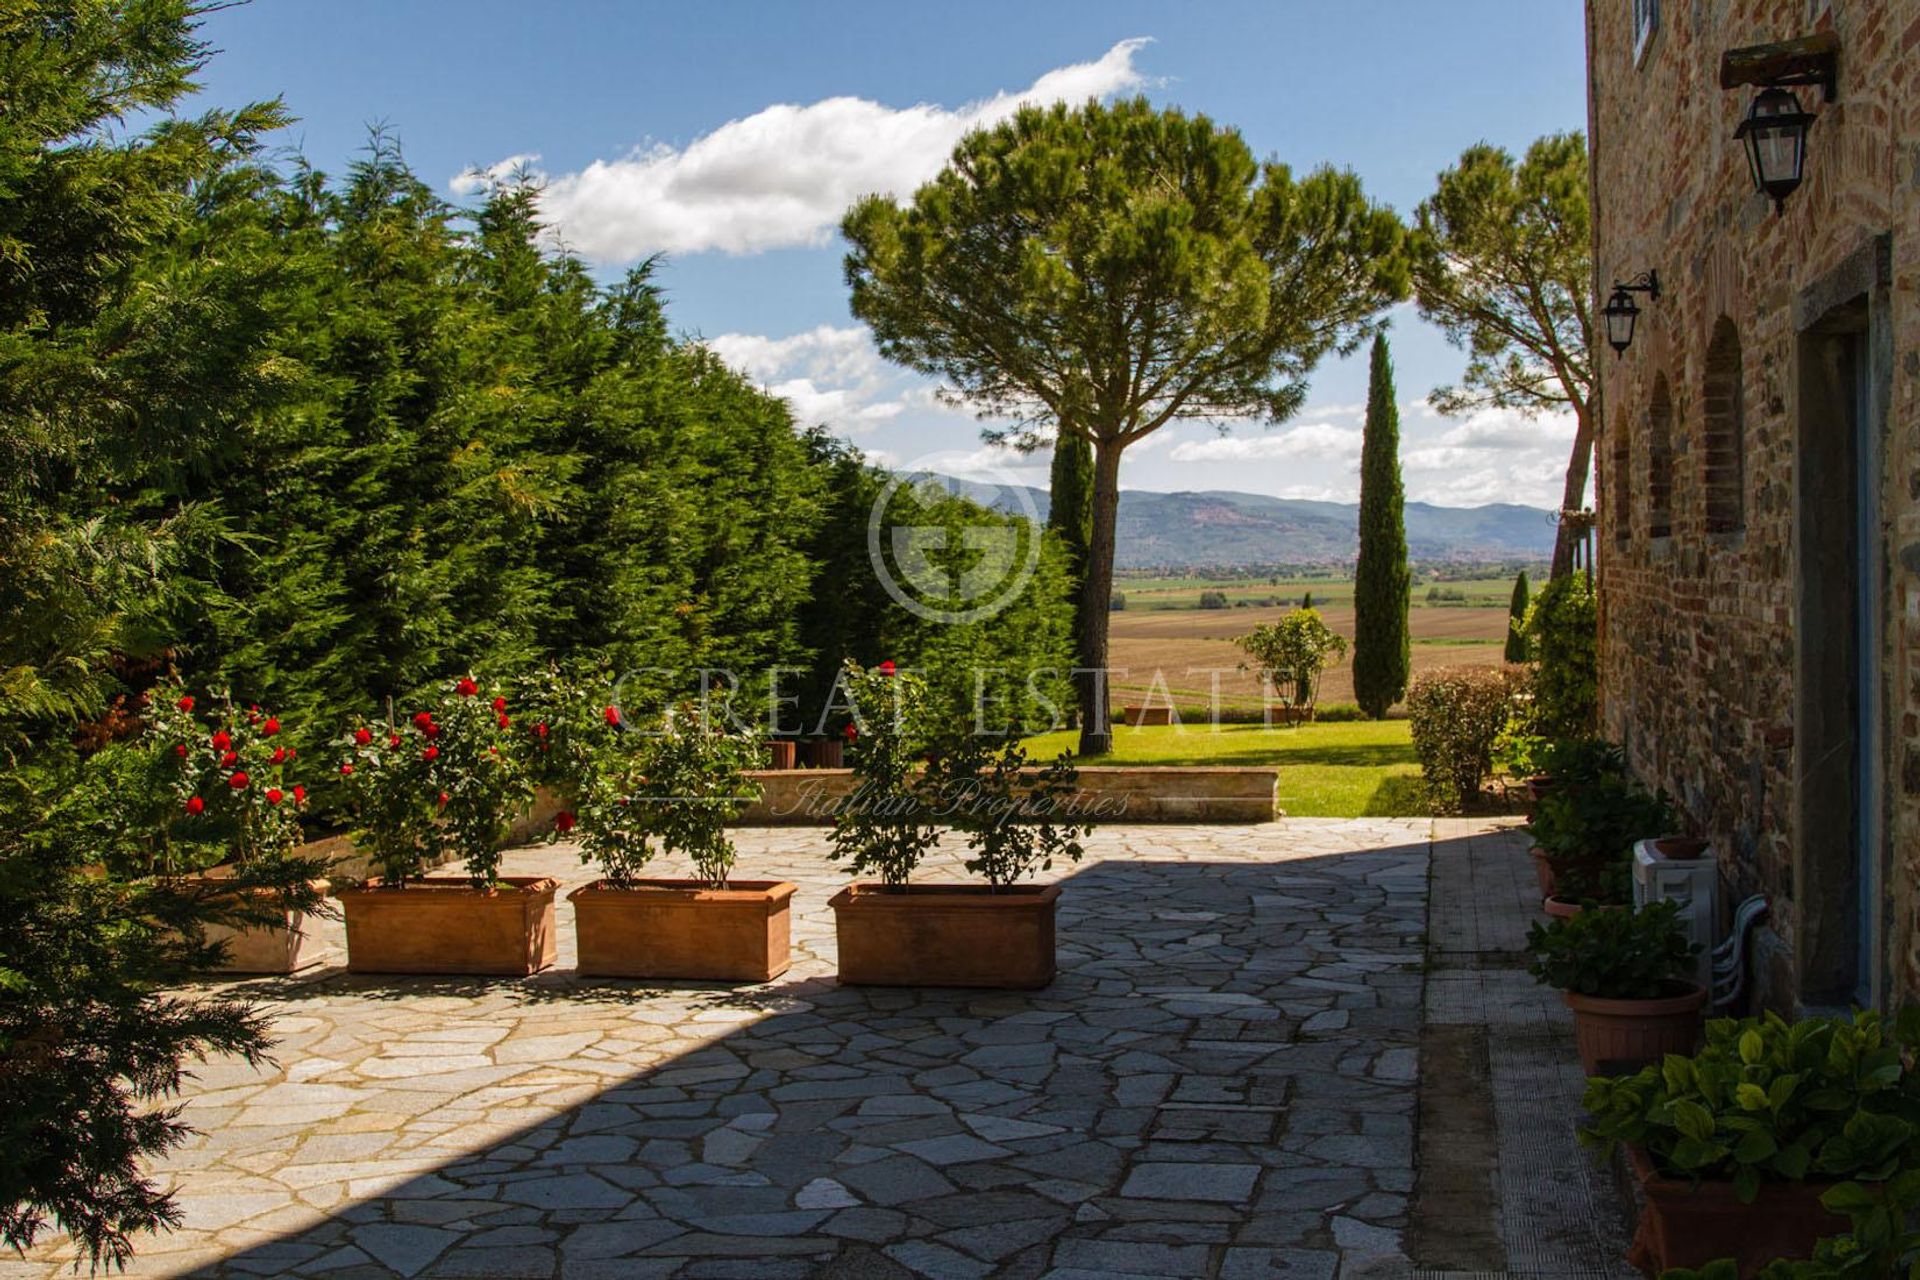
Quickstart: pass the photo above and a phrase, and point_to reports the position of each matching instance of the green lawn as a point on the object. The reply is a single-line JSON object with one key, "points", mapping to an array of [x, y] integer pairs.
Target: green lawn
{"points": [[1361, 769]]}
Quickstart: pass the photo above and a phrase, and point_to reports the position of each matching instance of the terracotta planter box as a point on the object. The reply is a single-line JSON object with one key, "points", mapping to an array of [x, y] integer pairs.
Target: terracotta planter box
{"points": [[1618, 1037], [287, 947], [1688, 1224], [683, 929], [448, 926], [946, 935], [780, 752]]}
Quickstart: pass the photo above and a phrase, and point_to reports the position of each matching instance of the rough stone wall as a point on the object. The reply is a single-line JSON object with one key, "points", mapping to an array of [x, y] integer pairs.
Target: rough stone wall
{"points": [[1698, 628]]}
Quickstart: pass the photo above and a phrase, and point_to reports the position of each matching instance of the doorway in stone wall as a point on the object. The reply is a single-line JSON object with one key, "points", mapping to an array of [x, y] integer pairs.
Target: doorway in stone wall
{"points": [[1840, 722]]}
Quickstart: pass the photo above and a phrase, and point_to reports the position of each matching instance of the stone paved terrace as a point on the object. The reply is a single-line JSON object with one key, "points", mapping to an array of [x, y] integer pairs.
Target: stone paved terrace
{"points": [[1223, 1082]]}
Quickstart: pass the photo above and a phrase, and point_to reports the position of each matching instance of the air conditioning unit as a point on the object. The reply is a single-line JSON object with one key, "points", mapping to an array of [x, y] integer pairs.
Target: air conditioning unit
{"points": [[1692, 882]]}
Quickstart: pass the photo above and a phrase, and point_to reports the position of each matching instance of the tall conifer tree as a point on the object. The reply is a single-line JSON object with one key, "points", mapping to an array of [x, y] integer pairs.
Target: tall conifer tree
{"points": [[1518, 650], [1382, 658]]}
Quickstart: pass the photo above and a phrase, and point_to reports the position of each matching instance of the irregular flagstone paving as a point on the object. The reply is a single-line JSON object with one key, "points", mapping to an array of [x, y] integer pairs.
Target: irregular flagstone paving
{"points": [[1220, 1083]]}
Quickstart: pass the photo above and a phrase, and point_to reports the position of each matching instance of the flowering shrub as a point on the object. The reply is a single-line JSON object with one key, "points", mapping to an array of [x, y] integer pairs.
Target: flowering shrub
{"points": [[882, 829], [1458, 714], [563, 726], [680, 788], [442, 783], [1009, 816], [230, 775]]}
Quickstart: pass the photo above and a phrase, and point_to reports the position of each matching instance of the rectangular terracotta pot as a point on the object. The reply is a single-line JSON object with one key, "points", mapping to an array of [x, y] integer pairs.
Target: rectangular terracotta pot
{"points": [[448, 926], [1689, 1225], [945, 935], [684, 929], [287, 947]]}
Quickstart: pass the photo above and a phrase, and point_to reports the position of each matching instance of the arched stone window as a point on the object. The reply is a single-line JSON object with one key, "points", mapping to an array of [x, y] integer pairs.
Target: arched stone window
{"points": [[1723, 474], [1620, 483], [1660, 460]]}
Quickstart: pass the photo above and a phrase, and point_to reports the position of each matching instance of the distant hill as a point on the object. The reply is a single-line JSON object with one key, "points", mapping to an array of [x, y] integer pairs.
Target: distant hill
{"points": [[1223, 529]]}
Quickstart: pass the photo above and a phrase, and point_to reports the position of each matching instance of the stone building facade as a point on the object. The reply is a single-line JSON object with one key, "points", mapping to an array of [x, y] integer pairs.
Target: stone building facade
{"points": [[1758, 464]]}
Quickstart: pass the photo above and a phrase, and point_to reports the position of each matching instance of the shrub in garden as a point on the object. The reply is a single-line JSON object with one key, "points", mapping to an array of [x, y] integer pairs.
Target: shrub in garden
{"points": [[1580, 760], [1613, 955], [1011, 818], [1291, 654], [1458, 714], [1562, 628], [444, 783], [1768, 1101], [1598, 822], [882, 829], [680, 788]]}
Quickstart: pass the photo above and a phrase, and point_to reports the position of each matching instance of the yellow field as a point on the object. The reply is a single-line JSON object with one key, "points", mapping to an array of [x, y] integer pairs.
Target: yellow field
{"points": [[1180, 644]]}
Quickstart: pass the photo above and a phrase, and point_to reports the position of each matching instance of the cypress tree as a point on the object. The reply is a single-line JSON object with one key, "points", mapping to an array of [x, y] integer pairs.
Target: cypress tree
{"points": [[1382, 658], [1070, 500], [1518, 650]]}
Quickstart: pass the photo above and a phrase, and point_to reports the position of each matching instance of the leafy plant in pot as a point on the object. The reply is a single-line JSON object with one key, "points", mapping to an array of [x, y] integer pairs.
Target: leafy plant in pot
{"points": [[1584, 831], [443, 785], [893, 933], [231, 830], [1620, 973], [1880, 1241], [1735, 1146], [678, 790]]}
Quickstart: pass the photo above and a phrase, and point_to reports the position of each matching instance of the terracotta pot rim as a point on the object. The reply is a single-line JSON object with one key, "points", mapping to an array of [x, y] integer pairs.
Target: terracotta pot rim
{"points": [[966, 896], [1691, 997], [447, 886], [688, 890], [1693, 845]]}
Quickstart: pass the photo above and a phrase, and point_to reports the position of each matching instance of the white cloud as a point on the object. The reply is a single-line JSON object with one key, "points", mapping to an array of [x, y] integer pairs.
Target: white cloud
{"points": [[784, 175], [829, 375], [1319, 440]]}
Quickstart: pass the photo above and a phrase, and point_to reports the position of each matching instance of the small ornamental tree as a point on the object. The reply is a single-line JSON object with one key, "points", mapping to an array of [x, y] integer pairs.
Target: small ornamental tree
{"points": [[442, 785], [680, 788], [1291, 654], [230, 779], [1009, 813], [882, 828]]}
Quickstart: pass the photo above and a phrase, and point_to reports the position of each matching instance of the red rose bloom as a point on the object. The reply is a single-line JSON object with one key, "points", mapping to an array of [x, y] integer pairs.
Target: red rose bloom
{"points": [[345, 769], [444, 797], [363, 736], [180, 749], [540, 730], [299, 795], [851, 732], [421, 719], [886, 668], [433, 731], [431, 753], [195, 805], [271, 727], [279, 756], [394, 741], [467, 688], [504, 722], [239, 781], [230, 759], [613, 715], [563, 822], [186, 703], [275, 795], [499, 704], [221, 741]]}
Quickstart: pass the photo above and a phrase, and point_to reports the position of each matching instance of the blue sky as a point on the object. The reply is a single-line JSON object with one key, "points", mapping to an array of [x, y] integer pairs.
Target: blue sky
{"points": [[729, 134]]}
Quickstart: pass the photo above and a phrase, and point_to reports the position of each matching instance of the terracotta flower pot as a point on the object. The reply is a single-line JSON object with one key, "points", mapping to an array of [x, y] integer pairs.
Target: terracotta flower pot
{"points": [[287, 947], [780, 752], [1560, 909], [1543, 871], [1618, 1037], [1688, 1224], [824, 753], [1539, 785], [448, 926], [1681, 847], [683, 929], [946, 935]]}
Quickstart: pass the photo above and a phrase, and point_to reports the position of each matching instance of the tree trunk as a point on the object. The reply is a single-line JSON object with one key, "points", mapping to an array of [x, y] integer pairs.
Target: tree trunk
{"points": [[1096, 603], [1572, 496]]}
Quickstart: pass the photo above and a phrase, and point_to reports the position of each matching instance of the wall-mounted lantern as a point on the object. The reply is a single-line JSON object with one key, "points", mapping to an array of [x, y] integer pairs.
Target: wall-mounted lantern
{"points": [[1621, 311], [1775, 130]]}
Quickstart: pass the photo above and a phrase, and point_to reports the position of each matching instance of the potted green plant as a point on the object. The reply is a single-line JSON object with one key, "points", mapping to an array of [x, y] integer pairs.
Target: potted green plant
{"points": [[1735, 1146], [231, 830], [1621, 972], [679, 789], [1586, 834], [1880, 1240], [444, 784], [896, 933]]}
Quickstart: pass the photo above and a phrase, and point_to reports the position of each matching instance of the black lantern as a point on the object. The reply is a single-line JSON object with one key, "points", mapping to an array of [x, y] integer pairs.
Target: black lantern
{"points": [[1621, 311], [1775, 132]]}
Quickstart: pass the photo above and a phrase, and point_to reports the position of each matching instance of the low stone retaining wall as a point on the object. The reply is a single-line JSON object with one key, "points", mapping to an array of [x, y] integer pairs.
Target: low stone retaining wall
{"points": [[1106, 793]]}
